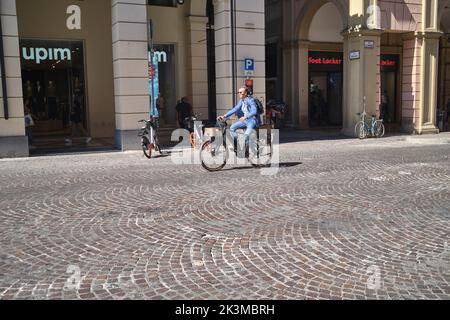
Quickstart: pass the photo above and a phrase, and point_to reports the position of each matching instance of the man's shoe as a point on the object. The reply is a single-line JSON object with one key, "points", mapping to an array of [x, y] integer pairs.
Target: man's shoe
{"points": [[68, 142], [88, 140]]}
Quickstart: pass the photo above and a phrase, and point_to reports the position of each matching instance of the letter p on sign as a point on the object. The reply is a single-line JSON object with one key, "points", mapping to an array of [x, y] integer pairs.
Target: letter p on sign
{"points": [[249, 65]]}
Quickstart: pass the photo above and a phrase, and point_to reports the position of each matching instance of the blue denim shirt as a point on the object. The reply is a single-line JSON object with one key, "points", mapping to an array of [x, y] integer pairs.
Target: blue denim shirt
{"points": [[247, 108]]}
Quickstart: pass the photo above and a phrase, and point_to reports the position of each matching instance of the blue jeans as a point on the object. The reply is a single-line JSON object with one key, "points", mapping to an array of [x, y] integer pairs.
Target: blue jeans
{"points": [[249, 124], [29, 134]]}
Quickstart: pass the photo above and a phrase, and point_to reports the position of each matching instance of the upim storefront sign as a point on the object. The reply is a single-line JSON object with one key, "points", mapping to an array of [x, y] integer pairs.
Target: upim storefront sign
{"points": [[43, 54]]}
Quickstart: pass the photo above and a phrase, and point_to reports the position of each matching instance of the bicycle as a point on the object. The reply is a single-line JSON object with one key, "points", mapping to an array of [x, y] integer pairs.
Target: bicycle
{"points": [[362, 129], [214, 152], [276, 111], [149, 137]]}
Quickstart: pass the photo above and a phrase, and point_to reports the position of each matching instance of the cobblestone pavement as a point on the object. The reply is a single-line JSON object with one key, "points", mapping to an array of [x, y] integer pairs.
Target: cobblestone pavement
{"points": [[342, 219]]}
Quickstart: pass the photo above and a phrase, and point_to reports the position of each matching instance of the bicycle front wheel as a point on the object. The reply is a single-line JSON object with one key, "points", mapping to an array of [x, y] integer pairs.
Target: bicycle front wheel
{"points": [[157, 145], [360, 130], [213, 156], [147, 148]]}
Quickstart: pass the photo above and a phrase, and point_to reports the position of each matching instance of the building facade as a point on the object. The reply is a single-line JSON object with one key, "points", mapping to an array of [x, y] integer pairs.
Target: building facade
{"points": [[94, 56], [338, 56], [328, 59]]}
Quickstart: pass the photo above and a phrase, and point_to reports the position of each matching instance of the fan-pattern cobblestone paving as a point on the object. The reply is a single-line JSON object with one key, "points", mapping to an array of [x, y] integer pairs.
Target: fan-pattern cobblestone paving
{"points": [[341, 219]]}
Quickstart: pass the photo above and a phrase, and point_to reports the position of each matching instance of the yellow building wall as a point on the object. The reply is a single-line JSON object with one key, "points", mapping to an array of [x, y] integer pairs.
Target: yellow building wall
{"points": [[97, 35]]}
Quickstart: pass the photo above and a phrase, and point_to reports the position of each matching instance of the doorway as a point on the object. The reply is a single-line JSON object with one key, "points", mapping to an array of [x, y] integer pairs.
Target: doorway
{"points": [[325, 89], [389, 88]]}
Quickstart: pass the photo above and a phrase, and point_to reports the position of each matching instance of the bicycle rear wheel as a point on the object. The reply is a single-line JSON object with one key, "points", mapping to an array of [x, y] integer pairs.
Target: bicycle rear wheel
{"points": [[213, 155], [379, 129], [360, 130]]}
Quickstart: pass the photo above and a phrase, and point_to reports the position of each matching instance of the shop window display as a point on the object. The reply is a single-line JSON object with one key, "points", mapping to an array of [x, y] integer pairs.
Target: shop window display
{"points": [[53, 81], [162, 84]]}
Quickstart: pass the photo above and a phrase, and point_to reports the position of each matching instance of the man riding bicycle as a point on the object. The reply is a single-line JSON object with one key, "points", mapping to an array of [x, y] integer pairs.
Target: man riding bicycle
{"points": [[247, 112]]}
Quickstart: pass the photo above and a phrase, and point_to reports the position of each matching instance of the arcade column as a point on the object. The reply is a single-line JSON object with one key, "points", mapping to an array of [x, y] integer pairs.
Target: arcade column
{"points": [[198, 67], [361, 75], [248, 27], [430, 74], [303, 83], [130, 53], [13, 142], [420, 82]]}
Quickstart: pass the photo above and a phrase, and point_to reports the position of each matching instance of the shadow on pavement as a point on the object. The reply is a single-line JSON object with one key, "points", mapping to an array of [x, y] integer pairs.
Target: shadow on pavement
{"points": [[280, 165]]}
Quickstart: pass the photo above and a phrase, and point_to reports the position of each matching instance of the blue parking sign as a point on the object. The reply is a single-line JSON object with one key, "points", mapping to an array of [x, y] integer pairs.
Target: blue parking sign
{"points": [[249, 65]]}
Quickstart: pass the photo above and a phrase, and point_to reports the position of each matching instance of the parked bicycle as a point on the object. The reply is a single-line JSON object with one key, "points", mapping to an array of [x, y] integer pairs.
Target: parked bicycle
{"points": [[149, 137], [214, 151], [276, 112], [363, 129]]}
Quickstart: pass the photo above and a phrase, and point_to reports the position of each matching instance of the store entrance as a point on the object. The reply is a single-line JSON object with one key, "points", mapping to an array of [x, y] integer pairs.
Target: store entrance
{"points": [[54, 92], [389, 78], [325, 89]]}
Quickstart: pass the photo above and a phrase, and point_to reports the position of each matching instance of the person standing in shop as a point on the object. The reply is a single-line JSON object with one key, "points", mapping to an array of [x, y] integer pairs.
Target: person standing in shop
{"points": [[51, 101], [160, 105], [184, 110], [29, 122], [40, 100]]}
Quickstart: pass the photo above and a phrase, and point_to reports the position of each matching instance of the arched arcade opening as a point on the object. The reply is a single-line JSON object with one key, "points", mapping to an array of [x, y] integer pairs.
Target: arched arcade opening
{"points": [[320, 63]]}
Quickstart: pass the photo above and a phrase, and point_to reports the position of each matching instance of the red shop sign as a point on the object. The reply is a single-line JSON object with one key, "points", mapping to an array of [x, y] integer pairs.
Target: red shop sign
{"points": [[324, 61], [388, 63]]}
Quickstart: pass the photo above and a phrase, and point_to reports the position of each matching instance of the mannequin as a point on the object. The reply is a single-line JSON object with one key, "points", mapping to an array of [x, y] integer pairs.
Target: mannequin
{"points": [[28, 90], [28, 95], [39, 100], [51, 101], [77, 84]]}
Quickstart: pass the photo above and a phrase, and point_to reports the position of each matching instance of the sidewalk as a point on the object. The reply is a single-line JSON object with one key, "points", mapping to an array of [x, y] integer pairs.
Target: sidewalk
{"points": [[287, 136], [441, 138]]}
